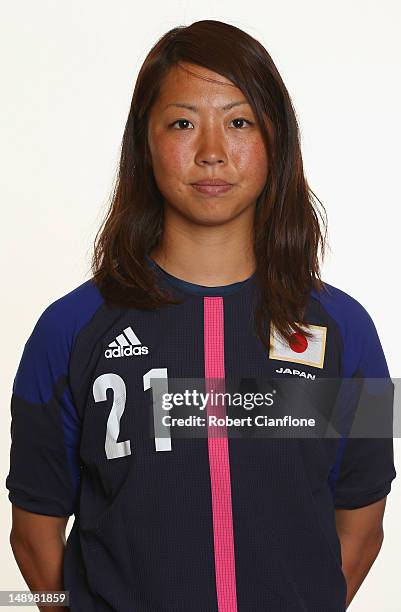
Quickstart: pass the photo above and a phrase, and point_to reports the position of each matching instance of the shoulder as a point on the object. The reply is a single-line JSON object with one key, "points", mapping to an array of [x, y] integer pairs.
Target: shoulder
{"points": [[70, 312], [361, 343], [46, 353], [349, 313]]}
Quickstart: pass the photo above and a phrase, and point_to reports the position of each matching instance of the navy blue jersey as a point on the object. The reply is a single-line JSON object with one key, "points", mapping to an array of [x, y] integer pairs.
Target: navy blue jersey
{"points": [[182, 524]]}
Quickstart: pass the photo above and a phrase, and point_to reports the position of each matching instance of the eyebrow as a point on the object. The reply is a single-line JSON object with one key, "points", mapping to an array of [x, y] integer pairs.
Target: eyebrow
{"points": [[195, 108]]}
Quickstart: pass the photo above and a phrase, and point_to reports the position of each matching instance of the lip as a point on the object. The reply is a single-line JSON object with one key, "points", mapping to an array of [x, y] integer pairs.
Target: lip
{"points": [[212, 182], [212, 189]]}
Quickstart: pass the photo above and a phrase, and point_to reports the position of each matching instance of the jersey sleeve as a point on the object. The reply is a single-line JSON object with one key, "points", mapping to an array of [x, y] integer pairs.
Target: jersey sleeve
{"points": [[44, 468], [365, 467]]}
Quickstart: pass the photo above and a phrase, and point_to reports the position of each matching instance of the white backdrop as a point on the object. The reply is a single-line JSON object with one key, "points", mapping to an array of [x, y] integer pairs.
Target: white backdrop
{"points": [[68, 72]]}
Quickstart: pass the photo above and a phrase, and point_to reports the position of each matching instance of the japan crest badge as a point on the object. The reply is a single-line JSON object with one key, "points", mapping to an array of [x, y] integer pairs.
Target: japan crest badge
{"points": [[300, 349]]}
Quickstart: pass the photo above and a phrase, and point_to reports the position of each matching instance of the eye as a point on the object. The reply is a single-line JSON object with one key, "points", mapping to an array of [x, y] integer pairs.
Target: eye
{"points": [[179, 121], [242, 119]]}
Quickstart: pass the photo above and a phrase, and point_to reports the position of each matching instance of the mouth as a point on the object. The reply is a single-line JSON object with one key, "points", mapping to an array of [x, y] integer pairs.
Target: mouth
{"points": [[212, 186]]}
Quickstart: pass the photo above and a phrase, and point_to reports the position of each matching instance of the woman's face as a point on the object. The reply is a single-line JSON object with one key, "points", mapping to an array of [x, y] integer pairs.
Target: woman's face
{"points": [[205, 142]]}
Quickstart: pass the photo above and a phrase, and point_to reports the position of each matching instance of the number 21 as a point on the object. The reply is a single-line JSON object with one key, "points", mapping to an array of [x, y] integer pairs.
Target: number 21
{"points": [[155, 379]]}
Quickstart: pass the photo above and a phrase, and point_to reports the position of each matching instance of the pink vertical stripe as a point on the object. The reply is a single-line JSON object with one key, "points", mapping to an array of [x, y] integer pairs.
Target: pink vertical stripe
{"points": [[219, 458]]}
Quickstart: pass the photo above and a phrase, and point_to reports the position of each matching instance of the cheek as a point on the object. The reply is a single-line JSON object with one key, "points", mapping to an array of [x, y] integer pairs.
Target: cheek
{"points": [[170, 164], [169, 158], [252, 162]]}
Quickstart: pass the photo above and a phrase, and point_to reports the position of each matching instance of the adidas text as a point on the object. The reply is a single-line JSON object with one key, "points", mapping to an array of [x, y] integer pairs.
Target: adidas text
{"points": [[126, 351]]}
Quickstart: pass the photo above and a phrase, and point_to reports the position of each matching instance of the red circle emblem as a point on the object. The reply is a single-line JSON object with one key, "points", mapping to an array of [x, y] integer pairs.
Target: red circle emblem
{"points": [[298, 343]]}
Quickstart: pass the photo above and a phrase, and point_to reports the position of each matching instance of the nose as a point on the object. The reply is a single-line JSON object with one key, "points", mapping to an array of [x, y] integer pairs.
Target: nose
{"points": [[211, 149], [211, 161]]}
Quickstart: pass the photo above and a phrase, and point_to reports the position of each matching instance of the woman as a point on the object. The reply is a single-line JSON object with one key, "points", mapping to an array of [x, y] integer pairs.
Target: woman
{"points": [[206, 268]]}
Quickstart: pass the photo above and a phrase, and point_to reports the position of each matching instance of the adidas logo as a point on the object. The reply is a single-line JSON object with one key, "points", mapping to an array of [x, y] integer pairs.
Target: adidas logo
{"points": [[127, 344]]}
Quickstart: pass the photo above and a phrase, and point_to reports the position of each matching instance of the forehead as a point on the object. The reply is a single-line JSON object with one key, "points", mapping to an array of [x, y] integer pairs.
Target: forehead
{"points": [[192, 82]]}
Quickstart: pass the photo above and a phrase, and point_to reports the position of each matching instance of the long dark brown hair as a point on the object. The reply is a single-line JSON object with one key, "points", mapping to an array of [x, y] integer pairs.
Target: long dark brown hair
{"points": [[287, 233]]}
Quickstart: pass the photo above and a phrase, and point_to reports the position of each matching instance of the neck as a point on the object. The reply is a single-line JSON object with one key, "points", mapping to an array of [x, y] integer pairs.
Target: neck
{"points": [[206, 255]]}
